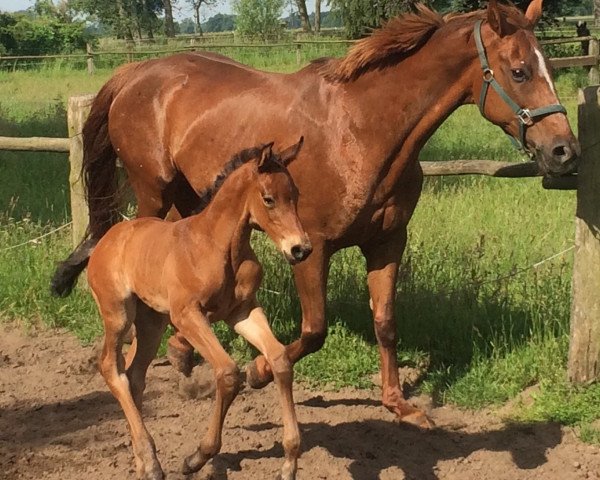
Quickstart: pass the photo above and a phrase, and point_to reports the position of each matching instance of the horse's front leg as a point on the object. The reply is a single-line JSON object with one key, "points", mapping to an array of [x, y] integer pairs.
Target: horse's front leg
{"points": [[382, 272], [311, 281]]}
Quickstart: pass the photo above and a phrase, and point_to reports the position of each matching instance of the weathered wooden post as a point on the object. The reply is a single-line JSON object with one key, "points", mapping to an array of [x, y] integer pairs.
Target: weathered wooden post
{"points": [[77, 112], [594, 49], [298, 53], [90, 59], [584, 349]]}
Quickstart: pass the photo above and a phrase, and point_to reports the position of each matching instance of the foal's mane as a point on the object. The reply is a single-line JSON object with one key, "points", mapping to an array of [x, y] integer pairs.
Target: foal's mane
{"points": [[400, 38], [239, 159]]}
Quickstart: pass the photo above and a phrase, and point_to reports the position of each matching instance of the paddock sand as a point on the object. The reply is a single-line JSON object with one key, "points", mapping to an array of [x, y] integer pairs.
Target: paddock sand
{"points": [[58, 421]]}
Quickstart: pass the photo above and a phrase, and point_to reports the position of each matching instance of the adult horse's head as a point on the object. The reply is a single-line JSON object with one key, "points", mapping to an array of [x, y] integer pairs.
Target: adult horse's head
{"points": [[515, 90]]}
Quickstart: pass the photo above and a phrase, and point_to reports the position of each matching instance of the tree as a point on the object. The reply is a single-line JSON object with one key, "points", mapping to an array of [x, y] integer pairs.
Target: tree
{"points": [[169, 24], [124, 16], [597, 13], [196, 5], [317, 16], [220, 23], [44, 30], [258, 18], [360, 16], [303, 12]]}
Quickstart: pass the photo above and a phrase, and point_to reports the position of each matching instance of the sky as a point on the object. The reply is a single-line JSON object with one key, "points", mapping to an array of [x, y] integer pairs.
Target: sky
{"points": [[180, 12]]}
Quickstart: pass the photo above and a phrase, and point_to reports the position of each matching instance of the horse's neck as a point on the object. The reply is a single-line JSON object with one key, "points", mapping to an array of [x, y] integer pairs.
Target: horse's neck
{"points": [[226, 220], [402, 105]]}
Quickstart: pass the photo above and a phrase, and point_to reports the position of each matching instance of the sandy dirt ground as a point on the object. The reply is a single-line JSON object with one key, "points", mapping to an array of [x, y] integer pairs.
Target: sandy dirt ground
{"points": [[58, 421]]}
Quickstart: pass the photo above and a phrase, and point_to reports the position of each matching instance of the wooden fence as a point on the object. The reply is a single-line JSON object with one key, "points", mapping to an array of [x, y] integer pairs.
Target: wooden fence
{"points": [[584, 353], [129, 54]]}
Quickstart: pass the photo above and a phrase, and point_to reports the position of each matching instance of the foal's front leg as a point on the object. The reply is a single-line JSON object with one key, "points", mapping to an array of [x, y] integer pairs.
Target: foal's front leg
{"points": [[310, 277], [196, 328], [255, 328]]}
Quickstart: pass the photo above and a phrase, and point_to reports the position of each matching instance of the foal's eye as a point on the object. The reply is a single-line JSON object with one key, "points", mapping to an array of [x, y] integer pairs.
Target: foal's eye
{"points": [[519, 75], [269, 201]]}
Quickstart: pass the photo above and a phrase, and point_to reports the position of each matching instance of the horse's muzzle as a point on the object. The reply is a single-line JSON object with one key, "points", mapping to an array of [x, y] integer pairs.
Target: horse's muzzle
{"points": [[562, 159]]}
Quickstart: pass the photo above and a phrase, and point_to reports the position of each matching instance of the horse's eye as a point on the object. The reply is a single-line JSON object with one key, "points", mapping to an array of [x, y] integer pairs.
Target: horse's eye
{"points": [[519, 75], [269, 201]]}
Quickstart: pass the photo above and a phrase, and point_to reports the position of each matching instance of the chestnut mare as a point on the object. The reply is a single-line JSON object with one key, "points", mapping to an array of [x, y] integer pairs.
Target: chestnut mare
{"points": [[194, 272], [365, 118]]}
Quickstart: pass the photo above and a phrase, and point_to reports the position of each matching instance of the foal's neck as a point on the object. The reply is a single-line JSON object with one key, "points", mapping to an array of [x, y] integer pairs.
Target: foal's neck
{"points": [[226, 218]]}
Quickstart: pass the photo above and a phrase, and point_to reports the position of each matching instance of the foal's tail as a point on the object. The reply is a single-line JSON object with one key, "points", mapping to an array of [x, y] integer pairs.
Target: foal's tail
{"points": [[99, 173]]}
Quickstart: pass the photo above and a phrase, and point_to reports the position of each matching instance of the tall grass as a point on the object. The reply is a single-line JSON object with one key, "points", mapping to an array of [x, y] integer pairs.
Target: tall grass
{"points": [[470, 304]]}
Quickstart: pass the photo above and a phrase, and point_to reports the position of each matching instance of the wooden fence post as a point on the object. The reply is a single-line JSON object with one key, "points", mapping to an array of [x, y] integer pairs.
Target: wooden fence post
{"points": [[584, 349], [90, 59], [77, 112], [298, 53], [594, 49]]}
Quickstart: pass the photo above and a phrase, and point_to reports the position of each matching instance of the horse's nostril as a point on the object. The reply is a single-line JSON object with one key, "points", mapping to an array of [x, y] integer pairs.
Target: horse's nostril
{"points": [[561, 152], [297, 252]]}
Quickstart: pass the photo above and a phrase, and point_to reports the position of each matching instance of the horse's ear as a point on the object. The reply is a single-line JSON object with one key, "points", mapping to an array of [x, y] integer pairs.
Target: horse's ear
{"points": [[496, 19], [534, 12], [266, 152], [291, 153]]}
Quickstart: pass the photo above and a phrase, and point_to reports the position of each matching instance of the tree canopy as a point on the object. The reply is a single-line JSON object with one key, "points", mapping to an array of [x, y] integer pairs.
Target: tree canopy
{"points": [[259, 18], [43, 29]]}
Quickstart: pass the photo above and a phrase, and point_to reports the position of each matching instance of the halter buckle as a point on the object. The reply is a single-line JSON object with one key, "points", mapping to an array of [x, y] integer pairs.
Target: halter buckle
{"points": [[488, 75], [525, 117]]}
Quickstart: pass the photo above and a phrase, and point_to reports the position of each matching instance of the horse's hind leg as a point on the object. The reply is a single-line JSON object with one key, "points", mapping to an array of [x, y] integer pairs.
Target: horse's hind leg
{"points": [[149, 326], [255, 328], [118, 317], [196, 328]]}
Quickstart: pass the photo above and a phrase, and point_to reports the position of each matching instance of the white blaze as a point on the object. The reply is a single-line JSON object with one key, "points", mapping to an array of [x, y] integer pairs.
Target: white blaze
{"points": [[543, 70]]}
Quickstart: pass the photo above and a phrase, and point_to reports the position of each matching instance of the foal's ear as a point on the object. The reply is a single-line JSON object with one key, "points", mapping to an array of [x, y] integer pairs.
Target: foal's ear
{"points": [[291, 153], [496, 19], [266, 152], [534, 12]]}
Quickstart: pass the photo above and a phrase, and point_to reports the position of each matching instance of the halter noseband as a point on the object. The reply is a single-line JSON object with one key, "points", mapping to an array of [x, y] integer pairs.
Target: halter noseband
{"points": [[525, 116]]}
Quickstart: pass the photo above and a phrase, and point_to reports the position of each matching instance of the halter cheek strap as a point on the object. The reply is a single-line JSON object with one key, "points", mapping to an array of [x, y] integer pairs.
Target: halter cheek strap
{"points": [[524, 116]]}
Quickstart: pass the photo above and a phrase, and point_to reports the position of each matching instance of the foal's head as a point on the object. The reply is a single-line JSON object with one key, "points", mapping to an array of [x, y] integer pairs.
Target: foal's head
{"points": [[272, 202], [517, 65]]}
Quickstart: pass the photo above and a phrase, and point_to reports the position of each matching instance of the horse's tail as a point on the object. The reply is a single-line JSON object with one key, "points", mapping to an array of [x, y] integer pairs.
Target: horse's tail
{"points": [[100, 179]]}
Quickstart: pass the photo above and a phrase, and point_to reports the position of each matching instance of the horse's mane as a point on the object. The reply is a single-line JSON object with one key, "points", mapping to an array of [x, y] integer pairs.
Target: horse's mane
{"points": [[239, 159], [401, 37]]}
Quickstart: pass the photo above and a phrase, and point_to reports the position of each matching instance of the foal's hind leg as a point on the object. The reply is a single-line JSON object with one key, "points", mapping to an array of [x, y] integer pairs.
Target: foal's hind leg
{"points": [[118, 317], [196, 328], [149, 326], [255, 328]]}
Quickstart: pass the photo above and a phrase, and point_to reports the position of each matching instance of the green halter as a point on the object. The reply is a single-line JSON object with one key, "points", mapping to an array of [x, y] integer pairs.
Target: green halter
{"points": [[525, 116]]}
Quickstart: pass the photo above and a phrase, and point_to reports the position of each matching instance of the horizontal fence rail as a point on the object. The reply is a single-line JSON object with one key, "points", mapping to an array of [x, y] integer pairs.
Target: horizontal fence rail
{"points": [[35, 144]]}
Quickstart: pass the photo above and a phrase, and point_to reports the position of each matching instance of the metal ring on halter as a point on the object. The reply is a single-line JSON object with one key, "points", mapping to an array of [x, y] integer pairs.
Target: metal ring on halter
{"points": [[488, 75], [525, 117]]}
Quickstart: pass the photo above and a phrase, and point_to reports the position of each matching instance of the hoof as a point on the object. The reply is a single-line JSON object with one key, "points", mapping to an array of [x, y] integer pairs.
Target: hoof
{"points": [[181, 357], [254, 378], [193, 463], [155, 474], [418, 419]]}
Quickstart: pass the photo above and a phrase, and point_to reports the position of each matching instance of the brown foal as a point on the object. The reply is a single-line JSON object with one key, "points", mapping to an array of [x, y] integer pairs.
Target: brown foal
{"points": [[192, 273]]}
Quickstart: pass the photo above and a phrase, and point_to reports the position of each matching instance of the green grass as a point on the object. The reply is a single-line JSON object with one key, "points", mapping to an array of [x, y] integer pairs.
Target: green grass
{"points": [[469, 302]]}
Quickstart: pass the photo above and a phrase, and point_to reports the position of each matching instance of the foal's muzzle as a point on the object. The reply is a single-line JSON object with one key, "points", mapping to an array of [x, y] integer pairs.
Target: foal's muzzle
{"points": [[298, 252]]}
